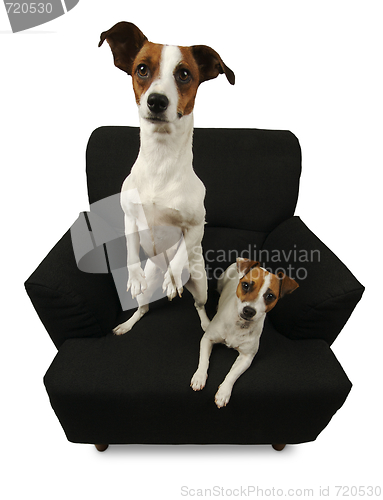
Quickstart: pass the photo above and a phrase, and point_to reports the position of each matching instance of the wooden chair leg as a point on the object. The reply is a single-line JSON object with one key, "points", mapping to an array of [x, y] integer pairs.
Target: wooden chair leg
{"points": [[278, 447], [101, 447]]}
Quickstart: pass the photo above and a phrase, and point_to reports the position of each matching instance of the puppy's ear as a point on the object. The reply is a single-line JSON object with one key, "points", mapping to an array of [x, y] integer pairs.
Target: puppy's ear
{"points": [[125, 40], [244, 265], [210, 64], [287, 285]]}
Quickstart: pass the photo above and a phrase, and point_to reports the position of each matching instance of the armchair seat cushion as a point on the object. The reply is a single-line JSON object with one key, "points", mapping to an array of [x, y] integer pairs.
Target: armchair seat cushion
{"points": [[135, 388]]}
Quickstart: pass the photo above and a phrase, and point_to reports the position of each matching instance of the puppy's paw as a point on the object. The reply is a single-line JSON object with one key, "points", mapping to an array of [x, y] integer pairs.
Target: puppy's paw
{"points": [[198, 381], [136, 282], [222, 396]]}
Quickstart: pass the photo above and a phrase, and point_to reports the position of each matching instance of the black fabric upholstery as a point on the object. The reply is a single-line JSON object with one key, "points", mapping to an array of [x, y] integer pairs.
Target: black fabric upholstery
{"points": [[135, 388], [110, 155], [243, 170], [71, 303], [328, 292], [221, 247]]}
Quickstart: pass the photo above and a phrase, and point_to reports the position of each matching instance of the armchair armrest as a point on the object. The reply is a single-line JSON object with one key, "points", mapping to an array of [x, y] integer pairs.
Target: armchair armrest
{"points": [[72, 303], [327, 293]]}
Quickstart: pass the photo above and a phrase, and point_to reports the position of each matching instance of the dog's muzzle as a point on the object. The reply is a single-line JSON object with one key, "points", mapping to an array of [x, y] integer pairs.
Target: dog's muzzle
{"points": [[157, 103]]}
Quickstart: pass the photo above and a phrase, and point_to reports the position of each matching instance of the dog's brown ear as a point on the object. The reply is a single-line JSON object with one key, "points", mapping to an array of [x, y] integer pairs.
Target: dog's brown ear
{"points": [[210, 64], [287, 285], [244, 265], [125, 40]]}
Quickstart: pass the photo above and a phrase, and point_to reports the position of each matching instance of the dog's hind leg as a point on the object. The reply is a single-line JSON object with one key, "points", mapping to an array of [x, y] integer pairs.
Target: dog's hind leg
{"points": [[153, 277], [197, 286], [189, 256], [128, 325]]}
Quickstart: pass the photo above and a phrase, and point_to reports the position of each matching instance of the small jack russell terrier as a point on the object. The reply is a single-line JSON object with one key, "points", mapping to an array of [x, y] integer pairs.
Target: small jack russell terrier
{"points": [[162, 198], [247, 293]]}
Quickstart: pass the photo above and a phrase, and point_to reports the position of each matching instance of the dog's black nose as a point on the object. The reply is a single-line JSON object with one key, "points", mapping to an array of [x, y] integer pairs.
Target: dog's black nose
{"points": [[248, 312], [158, 103]]}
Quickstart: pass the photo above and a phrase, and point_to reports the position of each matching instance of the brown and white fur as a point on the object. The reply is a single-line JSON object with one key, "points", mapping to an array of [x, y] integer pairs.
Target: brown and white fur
{"points": [[162, 198], [247, 293]]}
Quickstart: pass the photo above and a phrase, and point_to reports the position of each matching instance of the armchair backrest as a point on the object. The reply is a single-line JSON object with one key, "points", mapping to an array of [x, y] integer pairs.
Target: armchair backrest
{"points": [[251, 176]]}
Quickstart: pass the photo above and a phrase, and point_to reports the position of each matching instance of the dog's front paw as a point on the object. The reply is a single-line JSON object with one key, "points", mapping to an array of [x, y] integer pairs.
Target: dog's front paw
{"points": [[222, 396], [172, 284], [198, 380], [136, 281]]}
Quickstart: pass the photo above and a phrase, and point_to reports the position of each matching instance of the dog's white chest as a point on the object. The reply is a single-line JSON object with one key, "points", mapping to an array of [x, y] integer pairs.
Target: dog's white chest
{"points": [[165, 202], [240, 338], [163, 208], [230, 329], [159, 212]]}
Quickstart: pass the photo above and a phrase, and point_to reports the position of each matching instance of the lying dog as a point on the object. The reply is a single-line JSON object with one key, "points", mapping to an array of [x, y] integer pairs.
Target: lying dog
{"points": [[247, 293], [162, 198]]}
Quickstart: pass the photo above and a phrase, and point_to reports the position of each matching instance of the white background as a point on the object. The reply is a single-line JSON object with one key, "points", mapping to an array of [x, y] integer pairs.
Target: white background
{"points": [[314, 68]]}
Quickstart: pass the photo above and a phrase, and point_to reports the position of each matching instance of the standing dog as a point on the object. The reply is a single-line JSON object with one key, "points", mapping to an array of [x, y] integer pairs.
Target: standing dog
{"points": [[162, 198], [247, 292]]}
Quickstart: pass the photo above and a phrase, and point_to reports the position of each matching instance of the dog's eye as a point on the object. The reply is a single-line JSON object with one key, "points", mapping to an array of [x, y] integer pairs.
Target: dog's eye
{"points": [[142, 71], [245, 286], [184, 75], [270, 296]]}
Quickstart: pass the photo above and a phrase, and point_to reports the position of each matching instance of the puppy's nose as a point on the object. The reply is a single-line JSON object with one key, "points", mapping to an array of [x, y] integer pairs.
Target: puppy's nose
{"points": [[248, 312], [158, 103]]}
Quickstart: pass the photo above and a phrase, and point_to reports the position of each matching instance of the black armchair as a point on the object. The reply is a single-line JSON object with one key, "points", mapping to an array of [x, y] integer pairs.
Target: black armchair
{"points": [[135, 388]]}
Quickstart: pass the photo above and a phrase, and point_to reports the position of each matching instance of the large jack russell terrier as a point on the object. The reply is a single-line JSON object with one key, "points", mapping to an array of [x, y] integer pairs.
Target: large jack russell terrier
{"points": [[247, 293], [162, 198]]}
